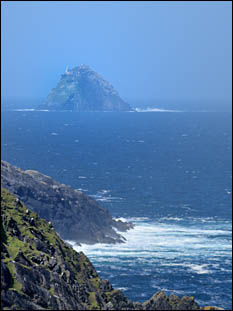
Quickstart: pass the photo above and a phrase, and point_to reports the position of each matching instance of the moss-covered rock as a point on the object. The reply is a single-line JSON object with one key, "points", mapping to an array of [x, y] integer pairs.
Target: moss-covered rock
{"points": [[39, 267]]}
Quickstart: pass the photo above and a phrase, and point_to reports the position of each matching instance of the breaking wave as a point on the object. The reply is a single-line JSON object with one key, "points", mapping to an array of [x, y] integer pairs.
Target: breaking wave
{"points": [[158, 242], [176, 254], [151, 109]]}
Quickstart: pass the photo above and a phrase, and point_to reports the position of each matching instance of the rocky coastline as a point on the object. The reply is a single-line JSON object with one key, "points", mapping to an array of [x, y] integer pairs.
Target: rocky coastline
{"points": [[74, 215], [39, 271]]}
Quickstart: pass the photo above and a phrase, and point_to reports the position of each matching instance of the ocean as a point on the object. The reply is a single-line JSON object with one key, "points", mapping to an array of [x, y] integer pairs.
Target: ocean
{"points": [[169, 172]]}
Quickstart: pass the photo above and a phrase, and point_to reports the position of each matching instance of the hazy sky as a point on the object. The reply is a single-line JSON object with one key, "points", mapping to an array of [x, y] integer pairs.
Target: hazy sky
{"points": [[147, 50]]}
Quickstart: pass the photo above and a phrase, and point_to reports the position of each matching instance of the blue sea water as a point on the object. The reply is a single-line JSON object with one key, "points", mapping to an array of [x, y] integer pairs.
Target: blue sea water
{"points": [[170, 173]]}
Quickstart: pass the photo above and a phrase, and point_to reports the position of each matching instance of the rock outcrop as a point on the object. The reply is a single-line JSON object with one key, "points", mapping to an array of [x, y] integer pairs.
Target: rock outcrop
{"points": [[40, 271], [74, 215], [82, 89]]}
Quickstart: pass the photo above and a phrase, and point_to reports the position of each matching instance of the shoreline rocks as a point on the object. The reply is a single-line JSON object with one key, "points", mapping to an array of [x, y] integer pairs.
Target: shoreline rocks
{"points": [[39, 271], [74, 215]]}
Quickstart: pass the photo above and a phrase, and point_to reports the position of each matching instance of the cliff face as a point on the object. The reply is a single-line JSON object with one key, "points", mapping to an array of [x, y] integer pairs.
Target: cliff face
{"points": [[40, 271], [82, 89], [75, 216]]}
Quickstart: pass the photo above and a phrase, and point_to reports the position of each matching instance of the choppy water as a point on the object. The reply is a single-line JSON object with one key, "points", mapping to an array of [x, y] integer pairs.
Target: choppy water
{"points": [[169, 173], [185, 256]]}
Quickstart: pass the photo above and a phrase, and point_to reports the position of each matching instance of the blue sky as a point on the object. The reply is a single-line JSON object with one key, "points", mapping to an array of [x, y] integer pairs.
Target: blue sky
{"points": [[175, 51]]}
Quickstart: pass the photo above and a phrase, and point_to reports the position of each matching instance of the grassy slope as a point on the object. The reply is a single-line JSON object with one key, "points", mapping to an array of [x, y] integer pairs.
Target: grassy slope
{"points": [[19, 233]]}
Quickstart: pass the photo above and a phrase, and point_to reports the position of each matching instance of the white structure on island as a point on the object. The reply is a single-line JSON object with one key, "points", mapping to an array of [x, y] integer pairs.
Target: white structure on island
{"points": [[67, 71]]}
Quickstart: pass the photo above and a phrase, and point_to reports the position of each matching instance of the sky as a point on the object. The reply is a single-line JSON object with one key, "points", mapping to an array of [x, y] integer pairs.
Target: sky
{"points": [[164, 51]]}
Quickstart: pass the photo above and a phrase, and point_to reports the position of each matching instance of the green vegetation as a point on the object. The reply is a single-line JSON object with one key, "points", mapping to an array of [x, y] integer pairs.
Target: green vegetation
{"points": [[96, 282], [37, 264], [51, 290], [111, 293], [22, 232], [3, 234], [92, 300], [14, 283], [14, 246]]}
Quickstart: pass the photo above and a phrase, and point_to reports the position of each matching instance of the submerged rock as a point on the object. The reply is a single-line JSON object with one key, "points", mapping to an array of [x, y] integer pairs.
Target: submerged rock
{"points": [[82, 89]]}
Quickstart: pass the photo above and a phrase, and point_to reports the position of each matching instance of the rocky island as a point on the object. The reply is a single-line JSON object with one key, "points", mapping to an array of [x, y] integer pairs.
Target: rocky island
{"points": [[41, 272], [83, 89], [74, 215]]}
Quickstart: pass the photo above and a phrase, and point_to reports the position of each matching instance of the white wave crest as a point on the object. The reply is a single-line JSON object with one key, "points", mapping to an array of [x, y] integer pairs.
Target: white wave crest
{"points": [[199, 269], [105, 196], [151, 109], [152, 241], [172, 218], [123, 288], [26, 109]]}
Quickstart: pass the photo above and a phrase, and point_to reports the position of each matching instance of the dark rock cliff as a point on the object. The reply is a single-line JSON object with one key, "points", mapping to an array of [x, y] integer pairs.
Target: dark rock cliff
{"points": [[82, 89], [40, 271], [75, 216]]}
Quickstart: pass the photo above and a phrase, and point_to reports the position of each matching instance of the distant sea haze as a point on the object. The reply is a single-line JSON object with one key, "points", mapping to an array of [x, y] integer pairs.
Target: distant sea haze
{"points": [[147, 104], [169, 173]]}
